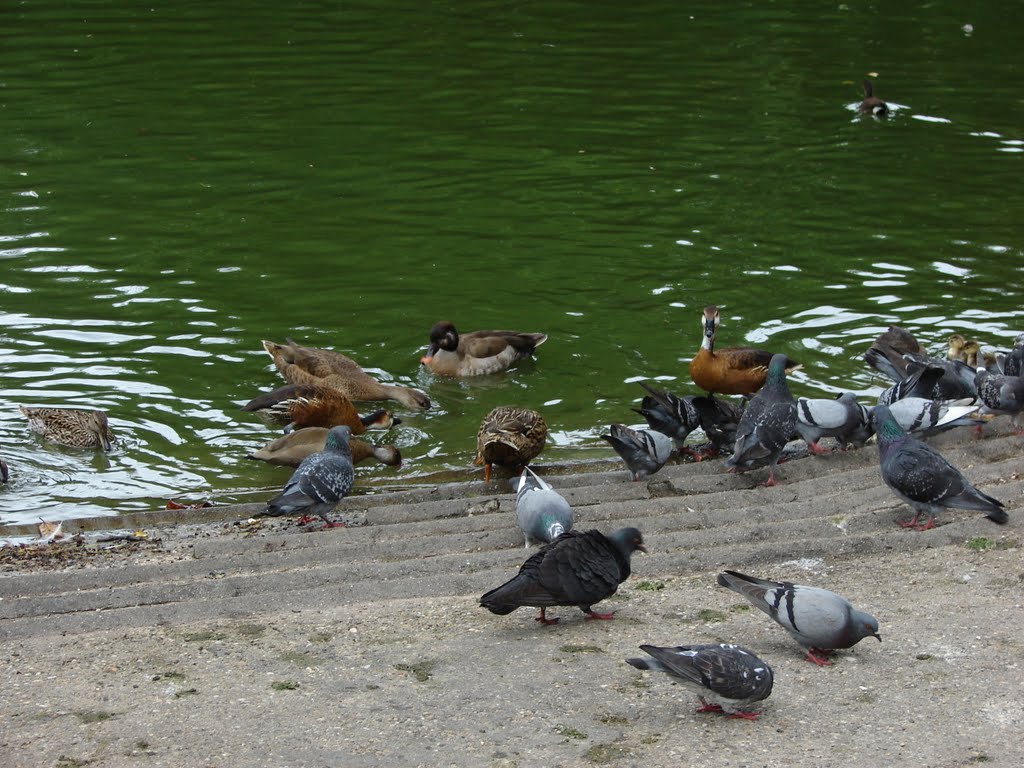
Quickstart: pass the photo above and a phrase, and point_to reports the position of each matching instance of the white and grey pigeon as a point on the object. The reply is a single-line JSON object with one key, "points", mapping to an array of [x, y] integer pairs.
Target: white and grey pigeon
{"points": [[644, 451], [767, 424], [922, 416], [673, 416], [821, 621], [1013, 363], [321, 480], [920, 383], [725, 677], [842, 418], [542, 512], [922, 477], [1002, 394]]}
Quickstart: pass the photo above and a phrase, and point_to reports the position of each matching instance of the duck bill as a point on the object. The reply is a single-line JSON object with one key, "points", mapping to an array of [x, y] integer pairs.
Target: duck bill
{"points": [[709, 327], [431, 351]]}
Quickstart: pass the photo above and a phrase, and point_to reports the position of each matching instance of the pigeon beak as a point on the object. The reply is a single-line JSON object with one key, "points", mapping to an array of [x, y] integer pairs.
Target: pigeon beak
{"points": [[641, 547], [877, 637]]}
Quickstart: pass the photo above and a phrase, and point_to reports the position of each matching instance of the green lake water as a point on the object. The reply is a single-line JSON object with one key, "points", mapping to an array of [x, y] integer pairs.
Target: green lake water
{"points": [[180, 184]]}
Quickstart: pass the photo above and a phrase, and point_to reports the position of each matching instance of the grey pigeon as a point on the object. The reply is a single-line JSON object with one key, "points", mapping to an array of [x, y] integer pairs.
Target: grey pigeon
{"points": [[922, 477], [921, 382], [578, 568], [719, 419], [1001, 394], [671, 415], [725, 677], [821, 621], [767, 424], [542, 512], [321, 480], [922, 416], [1013, 363], [957, 378], [843, 418], [3, 472], [643, 450]]}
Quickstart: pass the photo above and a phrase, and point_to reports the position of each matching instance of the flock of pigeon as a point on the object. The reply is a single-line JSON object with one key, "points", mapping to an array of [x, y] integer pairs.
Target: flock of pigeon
{"points": [[582, 568]]}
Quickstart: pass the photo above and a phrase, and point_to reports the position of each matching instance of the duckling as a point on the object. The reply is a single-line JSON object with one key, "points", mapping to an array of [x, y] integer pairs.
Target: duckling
{"points": [[477, 353], [69, 426], [309, 365], [872, 104], [964, 350], [733, 371], [292, 448], [509, 436], [307, 405]]}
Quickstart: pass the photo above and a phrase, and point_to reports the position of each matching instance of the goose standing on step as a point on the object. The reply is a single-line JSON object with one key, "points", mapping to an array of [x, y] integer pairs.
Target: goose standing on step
{"points": [[478, 353], [731, 371]]}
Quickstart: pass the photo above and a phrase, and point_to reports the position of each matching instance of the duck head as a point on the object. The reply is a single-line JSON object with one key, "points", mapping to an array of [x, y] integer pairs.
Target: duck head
{"points": [[442, 336]]}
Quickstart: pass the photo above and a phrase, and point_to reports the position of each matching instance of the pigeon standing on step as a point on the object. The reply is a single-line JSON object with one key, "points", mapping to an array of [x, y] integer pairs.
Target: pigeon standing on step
{"points": [[643, 450], [921, 416], [1001, 394], [719, 419], [671, 415], [578, 568], [843, 418], [725, 677], [922, 477], [320, 482], [542, 512], [767, 424], [821, 621], [1013, 363]]}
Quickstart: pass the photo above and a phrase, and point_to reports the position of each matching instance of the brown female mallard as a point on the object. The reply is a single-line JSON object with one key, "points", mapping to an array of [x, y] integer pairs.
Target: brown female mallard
{"points": [[511, 437], [69, 426], [325, 367]]}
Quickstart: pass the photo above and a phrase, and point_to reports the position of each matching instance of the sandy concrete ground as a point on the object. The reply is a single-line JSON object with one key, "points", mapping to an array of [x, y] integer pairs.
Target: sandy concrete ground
{"points": [[220, 642]]}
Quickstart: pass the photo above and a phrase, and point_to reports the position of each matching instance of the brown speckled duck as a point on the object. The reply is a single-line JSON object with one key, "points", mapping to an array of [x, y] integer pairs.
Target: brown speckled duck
{"points": [[291, 449], [309, 365], [295, 406], [70, 426], [872, 105], [733, 371], [477, 353], [511, 437]]}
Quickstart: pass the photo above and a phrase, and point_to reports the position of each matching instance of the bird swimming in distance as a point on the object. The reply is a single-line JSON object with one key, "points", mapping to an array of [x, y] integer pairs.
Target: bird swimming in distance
{"points": [[477, 353], [871, 104], [70, 426]]}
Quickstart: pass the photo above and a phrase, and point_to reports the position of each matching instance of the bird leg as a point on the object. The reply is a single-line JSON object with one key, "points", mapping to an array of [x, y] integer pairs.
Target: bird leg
{"points": [[770, 482], [817, 450], [745, 715], [487, 473], [821, 660], [912, 523], [711, 708], [592, 614], [543, 619]]}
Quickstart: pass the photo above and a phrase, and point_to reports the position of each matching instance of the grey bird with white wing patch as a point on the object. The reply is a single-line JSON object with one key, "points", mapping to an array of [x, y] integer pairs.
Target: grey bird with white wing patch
{"points": [[725, 677], [844, 419], [542, 512], [821, 621]]}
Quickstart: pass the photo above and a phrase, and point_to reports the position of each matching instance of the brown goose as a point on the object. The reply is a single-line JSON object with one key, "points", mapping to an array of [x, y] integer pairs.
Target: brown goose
{"points": [[309, 365], [733, 371], [291, 449], [295, 406], [477, 353], [69, 426]]}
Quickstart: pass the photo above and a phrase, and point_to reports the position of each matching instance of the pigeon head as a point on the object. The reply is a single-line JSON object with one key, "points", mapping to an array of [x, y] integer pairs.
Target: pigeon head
{"points": [[777, 369], [865, 625], [886, 426], [338, 437], [628, 540]]}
